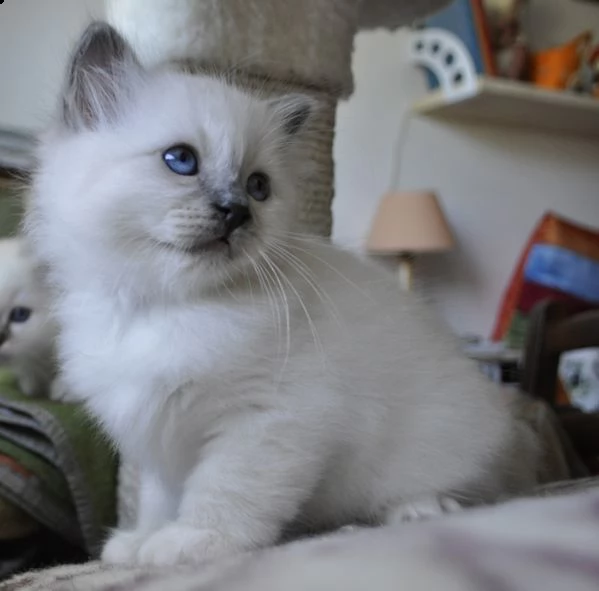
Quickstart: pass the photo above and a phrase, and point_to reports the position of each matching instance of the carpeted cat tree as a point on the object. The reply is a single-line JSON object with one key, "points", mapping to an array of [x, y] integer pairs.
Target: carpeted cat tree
{"points": [[273, 46]]}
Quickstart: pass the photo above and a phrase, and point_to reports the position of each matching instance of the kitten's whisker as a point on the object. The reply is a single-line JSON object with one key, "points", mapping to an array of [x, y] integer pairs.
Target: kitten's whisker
{"points": [[309, 253], [274, 303], [230, 280], [313, 238], [286, 310], [308, 276], [314, 331], [272, 299], [266, 289], [245, 274]]}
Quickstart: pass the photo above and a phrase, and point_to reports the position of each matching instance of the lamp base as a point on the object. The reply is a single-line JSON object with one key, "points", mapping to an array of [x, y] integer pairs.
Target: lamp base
{"points": [[406, 271]]}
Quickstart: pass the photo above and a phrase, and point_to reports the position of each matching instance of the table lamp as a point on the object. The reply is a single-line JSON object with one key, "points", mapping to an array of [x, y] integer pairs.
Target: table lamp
{"points": [[407, 224]]}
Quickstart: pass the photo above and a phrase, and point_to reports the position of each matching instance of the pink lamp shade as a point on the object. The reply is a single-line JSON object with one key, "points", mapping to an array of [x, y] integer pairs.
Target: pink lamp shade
{"points": [[409, 223]]}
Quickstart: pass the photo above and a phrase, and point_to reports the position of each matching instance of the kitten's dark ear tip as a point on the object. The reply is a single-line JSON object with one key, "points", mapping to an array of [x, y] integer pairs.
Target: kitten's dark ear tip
{"points": [[100, 37], [298, 118], [98, 28], [295, 110], [99, 57]]}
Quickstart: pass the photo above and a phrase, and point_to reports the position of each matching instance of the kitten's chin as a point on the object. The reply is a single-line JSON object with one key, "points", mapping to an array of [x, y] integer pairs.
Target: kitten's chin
{"points": [[219, 247], [199, 266]]}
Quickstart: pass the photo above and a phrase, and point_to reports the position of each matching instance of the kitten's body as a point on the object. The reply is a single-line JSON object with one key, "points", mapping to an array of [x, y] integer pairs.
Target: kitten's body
{"points": [[261, 381], [378, 392], [26, 344]]}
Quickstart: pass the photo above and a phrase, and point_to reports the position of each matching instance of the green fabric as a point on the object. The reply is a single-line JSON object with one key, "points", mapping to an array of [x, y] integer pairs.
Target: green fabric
{"points": [[73, 488]]}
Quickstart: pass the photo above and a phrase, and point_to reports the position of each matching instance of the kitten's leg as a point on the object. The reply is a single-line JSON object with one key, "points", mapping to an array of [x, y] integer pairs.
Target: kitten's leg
{"points": [[422, 508], [251, 482], [60, 392], [156, 507]]}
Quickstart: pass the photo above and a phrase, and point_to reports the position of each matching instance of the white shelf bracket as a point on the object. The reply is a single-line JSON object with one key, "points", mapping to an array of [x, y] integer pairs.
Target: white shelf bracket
{"points": [[445, 55]]}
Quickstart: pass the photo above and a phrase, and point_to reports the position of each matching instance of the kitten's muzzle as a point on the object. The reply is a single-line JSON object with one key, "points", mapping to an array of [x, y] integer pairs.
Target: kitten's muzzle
{"points": [[236, 213]]}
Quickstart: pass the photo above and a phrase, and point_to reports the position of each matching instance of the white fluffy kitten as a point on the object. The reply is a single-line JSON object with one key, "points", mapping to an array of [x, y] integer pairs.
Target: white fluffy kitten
{"points": [[26, 331], [263, 382]]}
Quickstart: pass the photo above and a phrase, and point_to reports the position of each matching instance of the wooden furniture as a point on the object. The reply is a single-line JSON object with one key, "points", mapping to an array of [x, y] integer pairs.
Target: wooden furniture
{"points": [[557, 327]]}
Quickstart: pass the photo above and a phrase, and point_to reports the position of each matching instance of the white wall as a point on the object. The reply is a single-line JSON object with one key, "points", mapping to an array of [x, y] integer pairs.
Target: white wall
{"points": [[494, 183], [35, 37]]}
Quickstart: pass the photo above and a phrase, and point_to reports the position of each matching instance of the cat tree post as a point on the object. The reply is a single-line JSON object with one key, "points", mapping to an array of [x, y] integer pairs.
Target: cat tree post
{"points": [[272, 46]]}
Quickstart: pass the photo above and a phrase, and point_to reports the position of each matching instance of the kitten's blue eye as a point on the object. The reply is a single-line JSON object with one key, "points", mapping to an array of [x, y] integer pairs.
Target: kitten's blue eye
{"points": [[181, 160], [19, 314]]}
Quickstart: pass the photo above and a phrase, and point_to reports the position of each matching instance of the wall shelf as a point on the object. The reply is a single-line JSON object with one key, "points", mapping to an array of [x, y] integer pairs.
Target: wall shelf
{"points": [[504, 102]]}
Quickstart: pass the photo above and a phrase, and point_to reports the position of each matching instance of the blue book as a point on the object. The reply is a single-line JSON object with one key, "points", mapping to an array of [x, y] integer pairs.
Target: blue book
{"points": [[466, 20]]}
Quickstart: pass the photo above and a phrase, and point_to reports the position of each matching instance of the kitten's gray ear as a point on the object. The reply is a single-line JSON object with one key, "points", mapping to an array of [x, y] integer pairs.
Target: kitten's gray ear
{"points": [[294, 110], [95, 75]]}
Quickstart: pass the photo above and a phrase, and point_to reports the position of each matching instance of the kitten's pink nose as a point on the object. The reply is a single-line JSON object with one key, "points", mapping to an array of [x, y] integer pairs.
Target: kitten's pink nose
{"points": [[236, 215]]}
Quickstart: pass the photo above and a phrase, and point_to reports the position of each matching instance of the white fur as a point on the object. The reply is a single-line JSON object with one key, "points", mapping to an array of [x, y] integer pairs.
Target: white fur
{"points": [[278, 383], [27, 347]]}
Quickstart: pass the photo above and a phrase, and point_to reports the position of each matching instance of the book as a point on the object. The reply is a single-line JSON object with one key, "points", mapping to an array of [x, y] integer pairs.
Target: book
{"points": [[467, 20]]}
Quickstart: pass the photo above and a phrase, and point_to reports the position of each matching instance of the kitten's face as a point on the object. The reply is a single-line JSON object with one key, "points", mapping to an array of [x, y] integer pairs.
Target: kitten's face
{"points": [[26, 334], [177, 181]]}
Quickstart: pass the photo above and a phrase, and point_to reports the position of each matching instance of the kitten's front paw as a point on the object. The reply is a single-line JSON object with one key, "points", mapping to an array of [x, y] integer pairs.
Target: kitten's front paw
{"points": [[123, 547], [183, 544], [60, 392], [423, 508]]}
